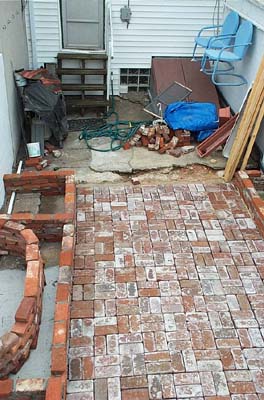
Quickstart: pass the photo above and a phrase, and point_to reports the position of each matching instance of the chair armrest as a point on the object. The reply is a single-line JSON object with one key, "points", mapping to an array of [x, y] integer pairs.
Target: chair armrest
{"points": [[208, 28], [232, 46], [215, 38]]}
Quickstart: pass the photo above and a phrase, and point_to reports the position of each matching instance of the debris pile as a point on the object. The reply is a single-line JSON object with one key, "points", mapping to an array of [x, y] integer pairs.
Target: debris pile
{"points": [[39, 163], [159, 137]]}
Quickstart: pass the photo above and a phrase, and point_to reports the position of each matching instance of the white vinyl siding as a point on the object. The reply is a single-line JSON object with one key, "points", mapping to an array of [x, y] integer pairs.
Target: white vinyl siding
{"points": [[157, 28], [46, 38]]}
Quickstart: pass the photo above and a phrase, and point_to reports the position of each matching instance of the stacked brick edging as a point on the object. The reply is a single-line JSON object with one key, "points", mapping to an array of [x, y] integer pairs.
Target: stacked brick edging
{"points": [[55, 387], [251, 197], [57, 384], [15, 345], [49, 183]]}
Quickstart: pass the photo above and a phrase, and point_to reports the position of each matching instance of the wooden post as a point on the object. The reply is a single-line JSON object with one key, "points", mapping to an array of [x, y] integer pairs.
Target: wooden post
{"points": [[246, 124]]}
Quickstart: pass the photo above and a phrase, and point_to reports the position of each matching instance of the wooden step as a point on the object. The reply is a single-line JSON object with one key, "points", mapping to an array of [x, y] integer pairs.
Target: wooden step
{"points": [[81, 71], [81, 56], [69, 87], [85, 103]]}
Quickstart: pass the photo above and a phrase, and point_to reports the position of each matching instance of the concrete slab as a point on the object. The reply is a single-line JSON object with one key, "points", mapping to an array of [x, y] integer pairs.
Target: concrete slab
{"points": [[38, 364], [89, 165], [113, 161], [11, 281], [73, 143], [87, 175], [146, 160], [72, 158]]}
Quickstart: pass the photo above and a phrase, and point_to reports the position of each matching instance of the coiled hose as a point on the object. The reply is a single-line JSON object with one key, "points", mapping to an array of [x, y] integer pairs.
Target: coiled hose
{"points": [[118, 131]]}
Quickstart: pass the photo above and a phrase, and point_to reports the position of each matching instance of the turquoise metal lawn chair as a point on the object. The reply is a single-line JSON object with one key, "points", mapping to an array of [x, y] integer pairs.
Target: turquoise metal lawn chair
{"points": [[229, 27], [228, 55]]}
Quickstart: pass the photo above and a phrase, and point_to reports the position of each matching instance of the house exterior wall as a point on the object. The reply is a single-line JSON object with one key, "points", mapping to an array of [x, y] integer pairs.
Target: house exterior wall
{"points": [[155, 30], [253, 10], [44, 31], [14, 55]]}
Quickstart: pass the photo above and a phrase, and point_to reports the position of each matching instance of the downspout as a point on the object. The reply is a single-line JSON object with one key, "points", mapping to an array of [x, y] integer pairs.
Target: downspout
{"points": [[32, 33]]}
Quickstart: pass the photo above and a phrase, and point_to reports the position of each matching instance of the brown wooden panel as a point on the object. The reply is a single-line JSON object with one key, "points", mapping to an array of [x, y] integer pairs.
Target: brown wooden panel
{"points": [[167, 70], [202, 87]]}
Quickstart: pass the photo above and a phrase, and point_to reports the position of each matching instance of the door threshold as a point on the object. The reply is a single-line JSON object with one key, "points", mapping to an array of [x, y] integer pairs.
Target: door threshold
{"points": [[83, 51]]}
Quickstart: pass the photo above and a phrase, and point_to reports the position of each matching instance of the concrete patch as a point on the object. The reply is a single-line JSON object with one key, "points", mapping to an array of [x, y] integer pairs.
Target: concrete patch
{"points": [[143, 160], [11, 293], [72, 158], [88, 176], [73, 142], [38, 364], [113, 161]]}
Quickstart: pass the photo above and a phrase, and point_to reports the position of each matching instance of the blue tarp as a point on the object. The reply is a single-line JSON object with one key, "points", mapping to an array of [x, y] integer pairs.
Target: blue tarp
{"points": [[195, 117]]}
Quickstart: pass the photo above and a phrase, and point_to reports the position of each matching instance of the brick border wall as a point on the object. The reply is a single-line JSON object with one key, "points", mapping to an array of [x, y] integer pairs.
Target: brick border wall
{"points": [[49, 183], [55, 387], [251, 197], [15, 345]]}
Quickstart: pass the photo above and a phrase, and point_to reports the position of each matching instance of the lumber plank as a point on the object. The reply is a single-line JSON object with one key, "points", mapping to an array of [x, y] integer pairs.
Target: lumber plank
{"points": [[246, 124], [243, 133], [253, 137]]}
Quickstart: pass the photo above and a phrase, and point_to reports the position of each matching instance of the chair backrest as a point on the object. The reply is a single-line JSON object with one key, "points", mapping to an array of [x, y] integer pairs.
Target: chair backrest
{"points": [[230, 25], [243, 36]]}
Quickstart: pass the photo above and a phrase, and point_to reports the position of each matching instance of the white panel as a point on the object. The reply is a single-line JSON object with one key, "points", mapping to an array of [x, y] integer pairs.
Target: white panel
{"points": [[6, 152], [249, 9], [45, 16]]}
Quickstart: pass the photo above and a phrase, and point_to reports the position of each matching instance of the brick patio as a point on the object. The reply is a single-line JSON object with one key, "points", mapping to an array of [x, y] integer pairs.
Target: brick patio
{"points": [[168, 300]]}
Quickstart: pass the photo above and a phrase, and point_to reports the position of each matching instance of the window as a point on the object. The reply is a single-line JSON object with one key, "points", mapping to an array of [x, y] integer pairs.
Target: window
{"points": [[136, 79]]}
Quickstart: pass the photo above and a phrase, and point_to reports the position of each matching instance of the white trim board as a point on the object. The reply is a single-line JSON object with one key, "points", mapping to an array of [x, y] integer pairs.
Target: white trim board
{"points": [[251, 10]]}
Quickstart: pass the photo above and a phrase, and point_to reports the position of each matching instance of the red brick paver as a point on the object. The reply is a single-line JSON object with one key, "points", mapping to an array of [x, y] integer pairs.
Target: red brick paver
{"points": [[168, 300]]}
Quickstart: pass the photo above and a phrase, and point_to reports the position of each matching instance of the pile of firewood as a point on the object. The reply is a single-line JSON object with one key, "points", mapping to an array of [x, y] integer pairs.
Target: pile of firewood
{"points": [[159, 137]]}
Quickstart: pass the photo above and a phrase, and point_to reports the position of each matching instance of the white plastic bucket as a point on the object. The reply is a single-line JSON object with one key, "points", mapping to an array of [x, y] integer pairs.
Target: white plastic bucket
{"points": [[20, 80], [33, 149]]}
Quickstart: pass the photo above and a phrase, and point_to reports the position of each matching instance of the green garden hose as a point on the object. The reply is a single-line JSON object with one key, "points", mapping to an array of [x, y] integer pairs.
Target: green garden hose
{"points": [[118, 131]]}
